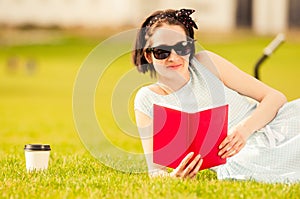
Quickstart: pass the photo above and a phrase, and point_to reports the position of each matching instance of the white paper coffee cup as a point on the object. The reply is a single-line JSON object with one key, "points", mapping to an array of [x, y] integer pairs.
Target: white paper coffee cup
{"points": [[37, 156]]}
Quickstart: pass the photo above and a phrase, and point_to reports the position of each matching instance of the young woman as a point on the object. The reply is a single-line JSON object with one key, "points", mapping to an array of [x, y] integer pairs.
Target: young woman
{"points": [[263, 141]]}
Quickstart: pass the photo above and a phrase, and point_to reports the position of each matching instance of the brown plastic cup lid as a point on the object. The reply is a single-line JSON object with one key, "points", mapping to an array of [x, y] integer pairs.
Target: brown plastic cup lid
{"points": [[37, 147]]}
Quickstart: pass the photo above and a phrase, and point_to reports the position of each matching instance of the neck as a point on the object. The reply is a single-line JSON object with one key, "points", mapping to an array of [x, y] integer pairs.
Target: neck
{"points": [[174, 84]]}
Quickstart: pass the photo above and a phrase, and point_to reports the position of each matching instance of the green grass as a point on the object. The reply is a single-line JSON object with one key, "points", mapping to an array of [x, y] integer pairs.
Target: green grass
{"points": [[37, 108]]}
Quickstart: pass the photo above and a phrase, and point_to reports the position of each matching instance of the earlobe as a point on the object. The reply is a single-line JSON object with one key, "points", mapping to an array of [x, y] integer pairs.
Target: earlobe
{"points": [[148, 57]]}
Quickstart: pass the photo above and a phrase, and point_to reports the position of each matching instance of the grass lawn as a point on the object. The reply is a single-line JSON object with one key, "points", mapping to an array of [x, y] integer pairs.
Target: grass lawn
{"points": [[36, 107]]}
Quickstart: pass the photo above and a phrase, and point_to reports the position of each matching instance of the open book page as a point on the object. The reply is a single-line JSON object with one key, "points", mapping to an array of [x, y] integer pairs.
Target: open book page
{"points": [[177, 133]]}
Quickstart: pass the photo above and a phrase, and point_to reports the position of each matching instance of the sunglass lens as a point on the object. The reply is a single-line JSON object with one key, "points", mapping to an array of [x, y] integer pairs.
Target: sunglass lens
{"points": [[183, 48], [160, 53]]}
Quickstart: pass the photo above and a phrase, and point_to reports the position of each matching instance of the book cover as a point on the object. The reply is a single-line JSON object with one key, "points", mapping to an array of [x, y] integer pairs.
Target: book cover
{"points": [[177, 133]]}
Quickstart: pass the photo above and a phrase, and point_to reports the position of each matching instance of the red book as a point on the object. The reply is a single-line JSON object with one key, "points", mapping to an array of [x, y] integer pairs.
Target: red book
{"points": [[177, 133]]}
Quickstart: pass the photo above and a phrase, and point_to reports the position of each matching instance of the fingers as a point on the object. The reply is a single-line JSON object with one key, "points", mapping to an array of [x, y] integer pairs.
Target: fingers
{"points": [[191, 166], [180, 168], [186, 169], [226, 141], [230, 151], [196, 169], [230, 146], [184, 162]]}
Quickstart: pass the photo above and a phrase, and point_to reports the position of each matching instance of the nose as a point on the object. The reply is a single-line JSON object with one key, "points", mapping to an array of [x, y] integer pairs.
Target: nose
{"points": [[173, 55]]}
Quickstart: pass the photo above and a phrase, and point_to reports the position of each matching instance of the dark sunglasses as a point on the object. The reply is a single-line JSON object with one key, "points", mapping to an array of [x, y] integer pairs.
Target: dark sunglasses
{"points": [[181, 48]]}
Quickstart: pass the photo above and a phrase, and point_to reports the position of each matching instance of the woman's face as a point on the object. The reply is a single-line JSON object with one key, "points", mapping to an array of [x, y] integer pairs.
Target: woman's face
{"points": [[174, 64]]}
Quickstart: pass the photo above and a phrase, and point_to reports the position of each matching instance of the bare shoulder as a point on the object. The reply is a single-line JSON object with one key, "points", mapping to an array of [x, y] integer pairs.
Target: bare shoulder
{"points": [[207, 59]]}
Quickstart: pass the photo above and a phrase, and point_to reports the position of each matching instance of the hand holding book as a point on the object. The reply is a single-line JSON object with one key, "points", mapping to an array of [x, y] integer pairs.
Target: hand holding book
{"points": [[188, 168], [234, 142]]}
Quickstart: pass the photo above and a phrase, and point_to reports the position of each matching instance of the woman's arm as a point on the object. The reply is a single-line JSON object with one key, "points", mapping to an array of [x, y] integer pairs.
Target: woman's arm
{"points": [[184, 170], [270, 100], [144, 124]]}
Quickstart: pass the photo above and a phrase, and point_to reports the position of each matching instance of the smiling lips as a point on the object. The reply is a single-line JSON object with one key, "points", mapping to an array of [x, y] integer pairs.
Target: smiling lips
{"points": [[174, 66]]}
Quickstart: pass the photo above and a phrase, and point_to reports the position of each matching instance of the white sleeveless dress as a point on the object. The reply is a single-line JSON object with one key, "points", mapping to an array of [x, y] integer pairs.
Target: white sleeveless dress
{"points": [[271, 154]]}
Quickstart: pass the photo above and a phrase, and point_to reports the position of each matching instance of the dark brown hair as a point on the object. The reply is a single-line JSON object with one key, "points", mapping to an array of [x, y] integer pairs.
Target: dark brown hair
{"points": [[148, 27]]}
